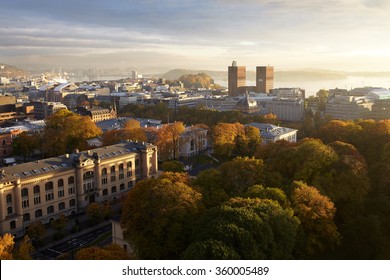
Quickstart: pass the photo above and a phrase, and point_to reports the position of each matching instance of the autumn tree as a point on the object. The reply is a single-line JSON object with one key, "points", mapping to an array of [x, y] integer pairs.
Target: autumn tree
{"points": [[6, 246], [111, 137], [26, 145], [108, 252], [168, 140], [157, 217], [36, 231], [241, 173], [24, 250], [132, 131], [65, 131], [97, 212], [224, 136], [316, 212]]}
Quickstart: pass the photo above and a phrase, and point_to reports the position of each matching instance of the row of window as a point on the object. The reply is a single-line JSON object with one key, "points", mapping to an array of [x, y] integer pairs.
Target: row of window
{"points": [[49, 210], [121, 188]]}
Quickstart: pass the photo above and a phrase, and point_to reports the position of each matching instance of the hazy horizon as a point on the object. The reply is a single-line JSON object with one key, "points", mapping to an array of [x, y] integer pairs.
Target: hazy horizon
{"points": [[341, 35]]}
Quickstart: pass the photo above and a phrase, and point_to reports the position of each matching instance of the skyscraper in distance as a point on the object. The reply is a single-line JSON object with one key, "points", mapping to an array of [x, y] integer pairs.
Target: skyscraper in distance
{"points": [[236, 79], [264, 78]]}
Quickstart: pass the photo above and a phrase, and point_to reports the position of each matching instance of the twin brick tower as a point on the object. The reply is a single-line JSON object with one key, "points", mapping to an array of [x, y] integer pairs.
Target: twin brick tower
{"points": [[237, 79]]}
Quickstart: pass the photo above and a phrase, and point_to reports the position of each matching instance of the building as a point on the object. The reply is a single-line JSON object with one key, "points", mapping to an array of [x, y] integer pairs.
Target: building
{"points": [[67, 184], [286, 109], [42, 110], [118, 238], [97, 114], [348, 108], [288, 93], [264, 78], [247, 105], [236, 79], [270, 133], [193, 141]]}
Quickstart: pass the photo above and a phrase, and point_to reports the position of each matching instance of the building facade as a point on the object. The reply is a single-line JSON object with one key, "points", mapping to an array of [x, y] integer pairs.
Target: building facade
{"points": [[286, 109], [236, 79], [270, 133], [264, 78], [67, 184]]}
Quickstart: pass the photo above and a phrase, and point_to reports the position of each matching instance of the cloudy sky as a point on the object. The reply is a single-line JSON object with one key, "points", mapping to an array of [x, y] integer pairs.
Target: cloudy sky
{"points": [[197, 34]]}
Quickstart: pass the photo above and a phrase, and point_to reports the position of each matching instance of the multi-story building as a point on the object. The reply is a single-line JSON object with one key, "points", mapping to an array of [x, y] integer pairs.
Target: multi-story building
{"points": [[97, 114], [264, 78], [270, 133], [42, 110], [236, 79], [67, 184], [286, 109], [348, 107], [192, 141], [288, 93]]}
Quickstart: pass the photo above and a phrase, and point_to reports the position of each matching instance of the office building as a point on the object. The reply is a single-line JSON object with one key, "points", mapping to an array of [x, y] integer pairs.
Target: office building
{"points": [[264, 78], [236, 79]]}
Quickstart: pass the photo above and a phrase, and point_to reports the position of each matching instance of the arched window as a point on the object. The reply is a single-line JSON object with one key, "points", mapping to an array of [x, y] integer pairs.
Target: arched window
{"points": [[60, 183], [49, 186], [61, 206], [50, 209], [49, 189], [122, 187], [112, 169], [105, 192], [104, 171], [89, 182], [26, 217], [70, 180], [24, 192], [129, 165], [113, 189], [121, 167], [38, 213], [9, 198], [72, 202], [36, 189]]}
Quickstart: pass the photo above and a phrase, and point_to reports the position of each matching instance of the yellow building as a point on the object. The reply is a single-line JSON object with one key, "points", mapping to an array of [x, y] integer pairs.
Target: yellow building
{"points": [[67, 184]]}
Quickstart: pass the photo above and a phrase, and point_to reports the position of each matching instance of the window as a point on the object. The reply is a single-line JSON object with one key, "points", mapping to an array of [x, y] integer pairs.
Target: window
{"points": [[3, 142], [49, 189], [38, 213], [72, 202], [122, 187], [121, 176], [50, 209], [71, 190], [12, 224], [61, 206], [26, 217], [121, 167], [113, 189], [105, 192], [25, 202], [104, 181], [37, 200], [9, 198], [9, 210], [61, 192], [113, 177], [104, 171], [129, 184], [36, 189], [71, 180], [112, 169], [37, 195], [89, 182], [129, 169]]}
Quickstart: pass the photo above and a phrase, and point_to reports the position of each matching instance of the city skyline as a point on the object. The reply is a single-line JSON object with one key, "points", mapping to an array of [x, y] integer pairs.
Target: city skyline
{"points": [[338, 35]]}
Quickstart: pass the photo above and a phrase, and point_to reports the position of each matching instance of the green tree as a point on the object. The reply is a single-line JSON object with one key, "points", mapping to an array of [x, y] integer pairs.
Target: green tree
{"points": [[157, 217], [210, 184], [172, 166], [210, 250], [36, 231]]}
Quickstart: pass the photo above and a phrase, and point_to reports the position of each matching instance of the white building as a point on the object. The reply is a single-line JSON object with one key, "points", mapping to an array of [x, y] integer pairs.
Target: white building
{"points": [[286, 109], [193, 141], [348, 107], [270, 133]]}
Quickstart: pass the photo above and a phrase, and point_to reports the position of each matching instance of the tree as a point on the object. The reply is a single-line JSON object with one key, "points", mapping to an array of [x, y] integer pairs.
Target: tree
{"points": [[25, 144], [168, 140], [111, 137], [65, 131], [24, 250], [97, 212], [6, 246], [316, 212], [224, 138], [172, 166], [36, 231], [108, 252], [241, 173], [157, 217], [210, 184], [210, 250], [132, 130]]}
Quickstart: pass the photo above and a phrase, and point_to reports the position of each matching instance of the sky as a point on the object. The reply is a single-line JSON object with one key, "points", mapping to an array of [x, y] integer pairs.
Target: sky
{"points": [[349, 35]]}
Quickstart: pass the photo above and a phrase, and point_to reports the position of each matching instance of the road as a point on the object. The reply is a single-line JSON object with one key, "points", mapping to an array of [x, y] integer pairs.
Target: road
{"points": [[70, 246]]}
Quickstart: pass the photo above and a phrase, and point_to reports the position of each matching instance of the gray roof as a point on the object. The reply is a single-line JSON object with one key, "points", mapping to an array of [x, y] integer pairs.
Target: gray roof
{"points": [[269, 130], [67, 162]]}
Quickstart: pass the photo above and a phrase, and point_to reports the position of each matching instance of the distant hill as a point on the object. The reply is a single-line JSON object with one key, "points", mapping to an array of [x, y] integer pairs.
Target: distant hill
{"points": [[9, 71], [281, 76]]}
